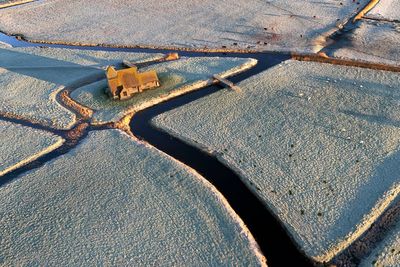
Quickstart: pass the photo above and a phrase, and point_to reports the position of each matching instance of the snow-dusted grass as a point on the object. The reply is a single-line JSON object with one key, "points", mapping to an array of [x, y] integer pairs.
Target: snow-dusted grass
{"points": [[176, 77], [387, 253], [264, 25], [9, 3], [318, 143], [375, 41], [386, 9], [13, 1], [113, 201], [30, 79], [21, 145]]}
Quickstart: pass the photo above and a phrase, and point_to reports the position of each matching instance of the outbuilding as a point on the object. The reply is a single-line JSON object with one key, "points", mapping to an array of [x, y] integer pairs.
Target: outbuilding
{"points": [[124, 84]]}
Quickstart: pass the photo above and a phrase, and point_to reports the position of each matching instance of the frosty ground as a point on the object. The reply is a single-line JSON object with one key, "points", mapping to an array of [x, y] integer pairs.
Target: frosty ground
{"points": [[116, 201], [10, 3], [376, 37], [21, 145], [387, 253], [263, 25], [31, 78], [176, 78], [324, 138], [279, 25], [318, 143]]}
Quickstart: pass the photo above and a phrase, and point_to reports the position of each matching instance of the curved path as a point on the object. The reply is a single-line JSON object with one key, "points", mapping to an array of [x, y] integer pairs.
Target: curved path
{"points": [[269, 233], [267, 230]]}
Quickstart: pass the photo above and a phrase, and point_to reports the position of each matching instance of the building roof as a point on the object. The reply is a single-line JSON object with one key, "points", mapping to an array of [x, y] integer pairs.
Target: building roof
{"points": [[129, 78], [111, 72], [148, 76]]}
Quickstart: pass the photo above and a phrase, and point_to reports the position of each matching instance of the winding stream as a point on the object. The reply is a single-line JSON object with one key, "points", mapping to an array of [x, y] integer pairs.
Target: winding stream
{"points": [[266, 229]]}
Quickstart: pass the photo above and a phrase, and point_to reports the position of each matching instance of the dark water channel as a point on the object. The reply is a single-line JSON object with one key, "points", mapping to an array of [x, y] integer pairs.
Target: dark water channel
{"points": [[274, 241], [272, 238]]}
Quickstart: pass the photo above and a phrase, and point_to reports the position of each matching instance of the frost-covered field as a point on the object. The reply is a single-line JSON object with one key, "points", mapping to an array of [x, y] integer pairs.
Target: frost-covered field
{"points": [[30, 79], [374, 40], [387, 253], [21, 145], [176, 77], [113, 201], [386, 9], [264, 25], [318, 143], [7, 3]]}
